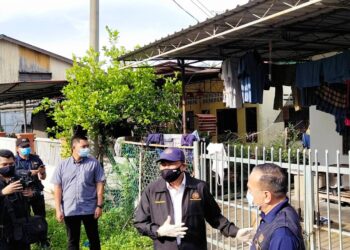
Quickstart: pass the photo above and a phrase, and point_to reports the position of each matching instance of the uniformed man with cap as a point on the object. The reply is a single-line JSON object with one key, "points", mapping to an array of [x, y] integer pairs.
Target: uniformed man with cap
{"points": [[25, 160], [174, 208]]}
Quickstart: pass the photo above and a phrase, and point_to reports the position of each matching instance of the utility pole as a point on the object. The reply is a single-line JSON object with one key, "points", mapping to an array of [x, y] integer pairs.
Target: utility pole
{"points": [[94, 25]]}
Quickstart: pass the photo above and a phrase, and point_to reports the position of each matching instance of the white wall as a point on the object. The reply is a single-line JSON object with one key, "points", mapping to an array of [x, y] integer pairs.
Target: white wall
{"points": [[323, 136], [270, 121], [8, 143]]}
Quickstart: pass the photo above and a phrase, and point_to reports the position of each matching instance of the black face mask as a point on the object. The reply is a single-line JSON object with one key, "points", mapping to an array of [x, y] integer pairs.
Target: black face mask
{"points": [[170, 175], [7, 171]]}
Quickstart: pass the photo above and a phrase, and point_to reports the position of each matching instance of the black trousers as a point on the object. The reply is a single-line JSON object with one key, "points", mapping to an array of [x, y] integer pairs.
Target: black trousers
{"points": [[13, 245], [73, 224], [37, 205]]}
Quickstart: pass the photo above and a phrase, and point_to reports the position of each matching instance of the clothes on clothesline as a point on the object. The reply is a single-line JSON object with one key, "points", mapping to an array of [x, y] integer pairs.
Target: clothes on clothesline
{"points": [[332, 100], [253, 76], [336, 69], [155, 139], [219, 163], [232, 93], [308, 74], [188, 139]]}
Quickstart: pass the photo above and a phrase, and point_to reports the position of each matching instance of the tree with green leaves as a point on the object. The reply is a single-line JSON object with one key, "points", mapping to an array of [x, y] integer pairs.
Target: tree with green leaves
{"points": [[102, 93]]}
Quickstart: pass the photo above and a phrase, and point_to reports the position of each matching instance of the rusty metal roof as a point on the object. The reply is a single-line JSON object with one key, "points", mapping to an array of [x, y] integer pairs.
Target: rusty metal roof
{"points": [[283, 30], [34, 90]]}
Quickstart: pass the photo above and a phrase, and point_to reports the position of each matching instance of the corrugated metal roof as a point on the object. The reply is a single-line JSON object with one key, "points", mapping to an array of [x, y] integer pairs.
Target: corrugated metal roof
{"points": [[34, 90], [295, 30], [29, 46]]}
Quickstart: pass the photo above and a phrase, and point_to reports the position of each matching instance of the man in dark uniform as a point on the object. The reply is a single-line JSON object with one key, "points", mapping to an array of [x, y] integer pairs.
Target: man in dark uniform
{"points": [[173, 209], [12, 198], [30, 162], [279, 226]]}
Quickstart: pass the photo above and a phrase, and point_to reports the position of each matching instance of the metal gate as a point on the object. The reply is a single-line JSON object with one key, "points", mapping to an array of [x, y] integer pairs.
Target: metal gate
{"points": [[319, 192]]}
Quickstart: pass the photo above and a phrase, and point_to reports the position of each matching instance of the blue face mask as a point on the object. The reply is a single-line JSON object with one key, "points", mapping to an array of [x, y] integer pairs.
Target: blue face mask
{"points": [[24, 151], [84, 152]]}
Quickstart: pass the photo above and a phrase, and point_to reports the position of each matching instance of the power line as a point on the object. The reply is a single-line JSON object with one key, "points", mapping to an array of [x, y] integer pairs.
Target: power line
{"points": [[200, 8], [185, 10], [205, 7]]}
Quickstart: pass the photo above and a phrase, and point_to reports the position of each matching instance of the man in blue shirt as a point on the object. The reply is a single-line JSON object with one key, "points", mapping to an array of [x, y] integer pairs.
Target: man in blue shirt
{"points": [[279, 226], [79, 184], [26, 161]]}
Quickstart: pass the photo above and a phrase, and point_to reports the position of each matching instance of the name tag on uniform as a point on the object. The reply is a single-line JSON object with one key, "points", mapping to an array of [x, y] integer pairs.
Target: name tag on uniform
{"points": [[195, 197], [159, 202]]}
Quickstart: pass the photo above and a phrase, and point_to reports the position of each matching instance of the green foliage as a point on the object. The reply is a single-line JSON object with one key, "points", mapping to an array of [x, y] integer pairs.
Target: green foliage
{"points": [[102, 94], [291, 142], [112, 236]]}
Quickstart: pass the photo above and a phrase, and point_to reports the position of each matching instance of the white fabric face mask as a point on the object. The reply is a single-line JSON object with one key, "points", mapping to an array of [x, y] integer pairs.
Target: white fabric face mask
{"points": [[250, 199]]}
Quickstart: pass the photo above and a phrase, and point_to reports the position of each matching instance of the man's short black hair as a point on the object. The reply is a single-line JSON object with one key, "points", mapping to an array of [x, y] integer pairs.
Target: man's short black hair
{"points": [[5, 153], [273, 178], [77, 139]]}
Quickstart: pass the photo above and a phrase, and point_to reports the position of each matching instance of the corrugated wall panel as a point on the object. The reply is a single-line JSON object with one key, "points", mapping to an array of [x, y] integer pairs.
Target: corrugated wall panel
{"points": [[32, 61], [9, 63], [58, 69]]}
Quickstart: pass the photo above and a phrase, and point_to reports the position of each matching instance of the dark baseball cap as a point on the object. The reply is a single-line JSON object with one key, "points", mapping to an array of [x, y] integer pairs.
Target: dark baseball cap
{"points": [[172, 154], [23, 142]]}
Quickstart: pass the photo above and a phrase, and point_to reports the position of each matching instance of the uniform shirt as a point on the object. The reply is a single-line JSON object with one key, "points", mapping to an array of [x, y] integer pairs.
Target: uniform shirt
{"points": [[33, 162], [282, 238], [176, 198], [78, 181], [19, 205]]}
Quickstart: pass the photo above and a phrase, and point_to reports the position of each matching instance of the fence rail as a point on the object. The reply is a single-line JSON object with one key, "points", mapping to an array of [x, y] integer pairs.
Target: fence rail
{"points": [[320, 193]]}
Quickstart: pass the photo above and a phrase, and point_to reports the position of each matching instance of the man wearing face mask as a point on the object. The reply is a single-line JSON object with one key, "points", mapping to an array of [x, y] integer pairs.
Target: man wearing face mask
{"points": [[25, 160], [174, 208], [279, 226], [79, 184], [12, 198]]}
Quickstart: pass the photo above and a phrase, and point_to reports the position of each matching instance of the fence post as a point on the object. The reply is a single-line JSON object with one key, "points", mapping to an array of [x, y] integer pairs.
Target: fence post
{"points": [[309, 215], [196, 159], [140, 173]]}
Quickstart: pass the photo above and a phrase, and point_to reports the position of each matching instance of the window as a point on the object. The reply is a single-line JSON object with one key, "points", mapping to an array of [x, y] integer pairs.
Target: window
{"points": [[227, 120], [346, 141], [190, 120], [251, 124]]}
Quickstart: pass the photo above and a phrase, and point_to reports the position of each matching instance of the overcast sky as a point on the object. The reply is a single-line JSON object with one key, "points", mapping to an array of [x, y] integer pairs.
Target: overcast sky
{"points": [[62, 26]]}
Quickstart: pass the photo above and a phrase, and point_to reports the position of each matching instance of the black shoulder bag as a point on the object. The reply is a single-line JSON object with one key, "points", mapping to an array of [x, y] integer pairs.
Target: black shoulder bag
{"points": [[29, 229]]}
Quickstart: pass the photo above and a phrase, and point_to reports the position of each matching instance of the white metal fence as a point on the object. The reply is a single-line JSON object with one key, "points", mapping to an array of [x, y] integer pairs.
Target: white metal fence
{"points": [[319, 193]]}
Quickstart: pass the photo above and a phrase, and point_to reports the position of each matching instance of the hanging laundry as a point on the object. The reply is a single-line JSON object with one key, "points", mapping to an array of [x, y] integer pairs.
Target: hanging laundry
{"points": [[336, 69], [347, 118], [253, 77], [278, 101], [232, 94], [332, 100], [219, 162], [296, 98], [283, 74], [188, 139], [196, 134], [155, 139], [308, 74]]}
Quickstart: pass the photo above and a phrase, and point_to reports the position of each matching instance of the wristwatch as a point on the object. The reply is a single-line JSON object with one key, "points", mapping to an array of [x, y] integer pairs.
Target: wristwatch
{"points": [[100, 206]]}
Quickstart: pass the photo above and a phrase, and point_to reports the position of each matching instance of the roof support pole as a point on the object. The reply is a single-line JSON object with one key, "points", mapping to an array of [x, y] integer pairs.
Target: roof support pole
{"points": [[181, 63], [25, 115]]}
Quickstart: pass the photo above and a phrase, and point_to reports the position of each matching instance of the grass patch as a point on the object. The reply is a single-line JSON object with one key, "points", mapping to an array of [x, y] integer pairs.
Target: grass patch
{"points": [[115, 233]]}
